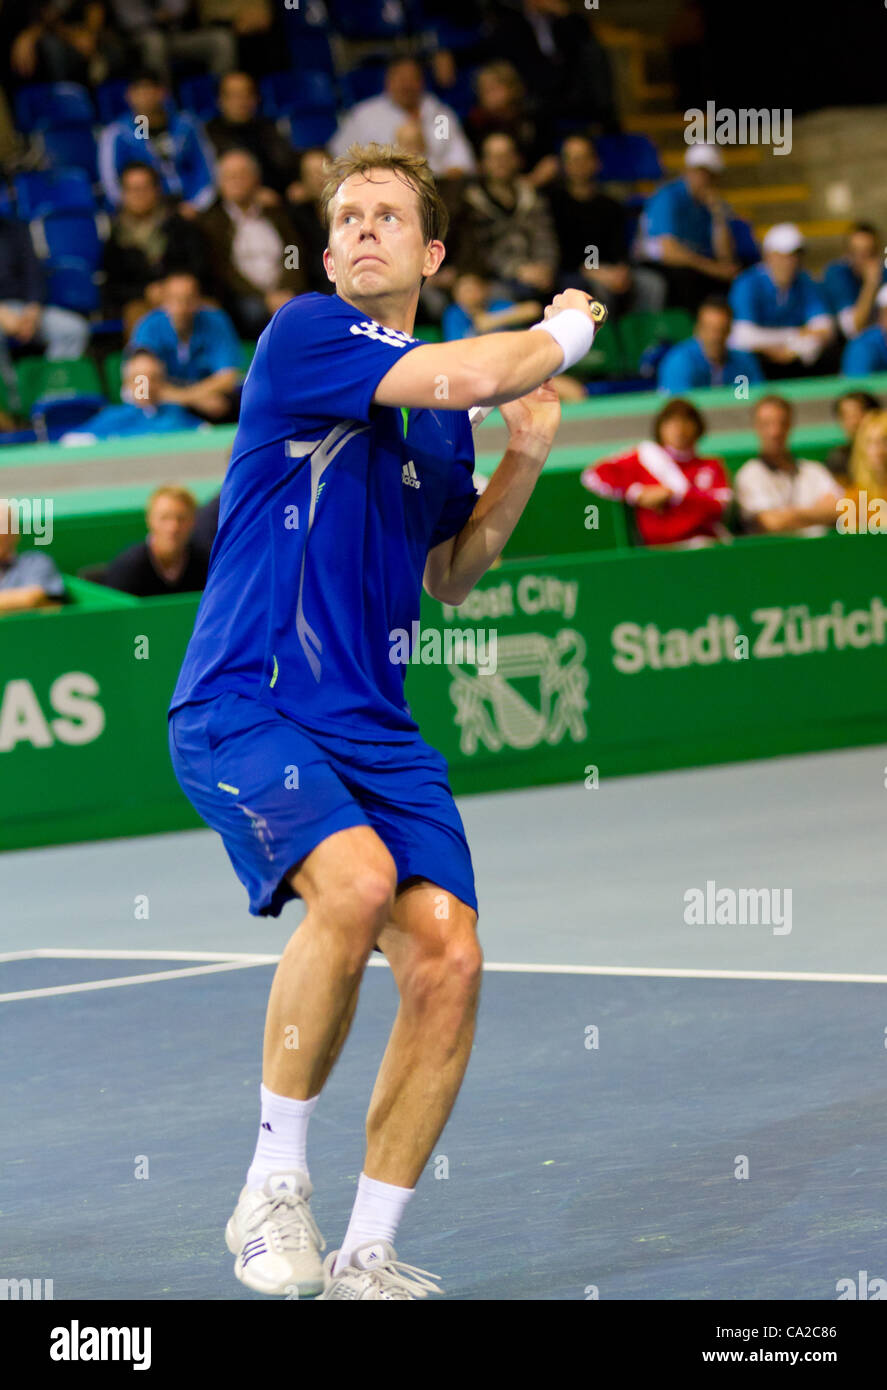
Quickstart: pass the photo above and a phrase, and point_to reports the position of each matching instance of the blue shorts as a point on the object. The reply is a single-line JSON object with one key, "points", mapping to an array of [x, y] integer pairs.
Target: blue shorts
{"points": [[273, 790]]}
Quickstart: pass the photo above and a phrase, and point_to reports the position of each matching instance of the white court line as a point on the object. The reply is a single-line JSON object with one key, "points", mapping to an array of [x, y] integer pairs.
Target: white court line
{"points": [[244, 961]]}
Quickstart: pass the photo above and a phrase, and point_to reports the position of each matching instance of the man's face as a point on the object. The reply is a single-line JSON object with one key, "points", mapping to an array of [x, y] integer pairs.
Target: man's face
{"points": [[238, 98], [314, 166], [170, 523], [678, 432], [376, 243], [713, 330], [181, 298], [239, 179], [773, 425], [851, 411], [493, 93], [142, 378], [405, 85], [862, 249], [499, 159], [701, 183], [139, 194], [144, 97], [579, 160], [783, 266]]}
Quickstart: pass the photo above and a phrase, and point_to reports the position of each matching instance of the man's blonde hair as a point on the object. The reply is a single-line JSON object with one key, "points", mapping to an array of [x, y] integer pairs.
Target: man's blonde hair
{"points": [[411, 168], [178, 494]]}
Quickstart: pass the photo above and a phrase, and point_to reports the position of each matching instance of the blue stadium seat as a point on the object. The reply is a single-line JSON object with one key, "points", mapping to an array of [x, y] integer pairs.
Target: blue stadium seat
{"points": [[110, 100], [73, 149], [452, 36], [626, 158], [53, 416], [309, 48], [39, 194], [369, 19], [360, 83], [18, 437], [307, 17], [306, 131], [198, 96], [298, 94], [48, 104], [71, 237], [70, 285], [7, 201]]}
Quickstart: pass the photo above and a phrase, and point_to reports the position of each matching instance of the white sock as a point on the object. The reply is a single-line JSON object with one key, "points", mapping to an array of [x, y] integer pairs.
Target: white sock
{"points": [[376, 1215], [283, 1134]]}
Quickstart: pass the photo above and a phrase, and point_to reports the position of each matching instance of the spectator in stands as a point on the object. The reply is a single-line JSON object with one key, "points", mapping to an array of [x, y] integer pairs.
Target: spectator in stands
{"points": [[504, 230], [592, 227], [867, 352], [378, 119], [148, 241], [310, 234], [173, 142], [705, 359], [777, 492], [685, 231], [849, 409], [161, 32], [29, 580], [142, 408], [198, 347], [166, 562], [852, 283], [254, 262], [868, 466], [504, 105], [64, 41], [679, 497], [779, 311], [25, 317], [239, 127], [475, 309]]}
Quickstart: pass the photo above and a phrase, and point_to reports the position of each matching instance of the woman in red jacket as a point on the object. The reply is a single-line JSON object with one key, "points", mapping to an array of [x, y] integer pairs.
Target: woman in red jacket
{"points": [[679, 497]]}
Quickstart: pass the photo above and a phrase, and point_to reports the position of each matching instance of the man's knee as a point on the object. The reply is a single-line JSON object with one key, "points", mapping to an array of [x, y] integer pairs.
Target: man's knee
{"points": [[353, 898], [445, 972]]}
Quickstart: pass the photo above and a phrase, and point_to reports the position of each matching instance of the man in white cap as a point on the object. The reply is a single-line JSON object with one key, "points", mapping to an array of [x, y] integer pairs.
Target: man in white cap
{"points": [[685, 231], [780, 312], [868, 352]]}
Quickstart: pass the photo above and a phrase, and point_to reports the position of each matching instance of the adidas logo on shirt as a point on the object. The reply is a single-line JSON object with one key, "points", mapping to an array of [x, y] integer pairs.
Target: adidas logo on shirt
{"points": [[410, 477]]}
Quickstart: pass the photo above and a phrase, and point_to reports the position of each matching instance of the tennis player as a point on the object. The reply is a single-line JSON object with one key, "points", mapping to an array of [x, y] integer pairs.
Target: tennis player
{"points": [[350, 484]]}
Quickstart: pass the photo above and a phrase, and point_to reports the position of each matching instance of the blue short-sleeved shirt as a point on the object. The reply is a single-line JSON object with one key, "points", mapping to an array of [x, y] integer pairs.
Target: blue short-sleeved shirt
{"points": [[114, 421], [213, 346], [673, 211], [866, 353], [33, 567], [842, 285], [685, 367], [755, 299], [328, 510]]}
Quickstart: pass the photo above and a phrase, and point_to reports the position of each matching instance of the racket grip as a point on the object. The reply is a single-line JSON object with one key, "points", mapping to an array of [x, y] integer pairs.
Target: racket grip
{"points": [[478, 413]]}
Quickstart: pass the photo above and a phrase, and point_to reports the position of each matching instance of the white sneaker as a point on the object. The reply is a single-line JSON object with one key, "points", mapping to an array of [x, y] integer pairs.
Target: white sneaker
{"points": [[275, 1237], [376, 1272]]}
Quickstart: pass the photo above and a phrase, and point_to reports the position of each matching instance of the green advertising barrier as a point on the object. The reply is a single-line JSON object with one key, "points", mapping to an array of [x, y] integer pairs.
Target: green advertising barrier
{"points": [[562, 670]]}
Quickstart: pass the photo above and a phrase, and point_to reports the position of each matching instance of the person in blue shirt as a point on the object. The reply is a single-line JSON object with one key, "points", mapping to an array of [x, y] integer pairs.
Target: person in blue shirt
{"points": [[867, 353], [780, 312], [685, 231], [350, 489], [142, 409], [475, 309], [198, 346], [852, 282], [29, 580], [172, 141], [705, 359]]}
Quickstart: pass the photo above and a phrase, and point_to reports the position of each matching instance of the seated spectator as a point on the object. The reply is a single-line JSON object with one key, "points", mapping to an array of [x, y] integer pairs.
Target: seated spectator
{"points": [[148, 242], [476, 310], [867, 352], [685, 234], [142, 408], [254, 265], [25, 317], [503, 104], [868, 463], [705, 359], [587, 221], [379, 118], [199, 348], [849, 409], [779, 312], [503, 230], [166, 562], [165, 31], [304, 209], [777, 492], [239, 127], [155, 133], [852, 283], [29, 580], [679, 497], [64, 41]]}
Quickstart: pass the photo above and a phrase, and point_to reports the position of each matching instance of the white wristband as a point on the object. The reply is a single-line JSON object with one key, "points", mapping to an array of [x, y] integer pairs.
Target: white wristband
{"points": [[573, 331]]}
